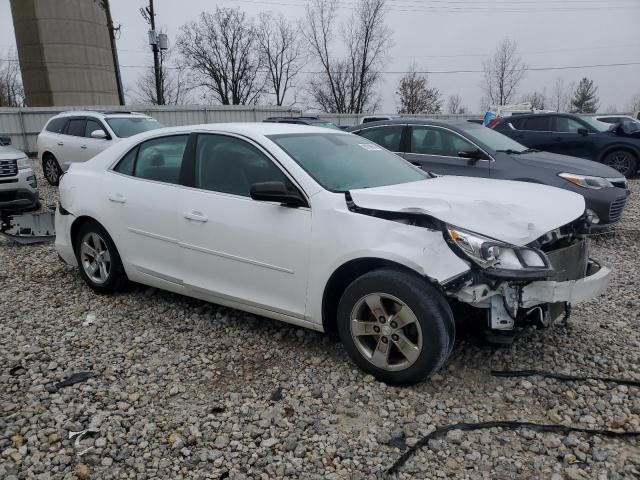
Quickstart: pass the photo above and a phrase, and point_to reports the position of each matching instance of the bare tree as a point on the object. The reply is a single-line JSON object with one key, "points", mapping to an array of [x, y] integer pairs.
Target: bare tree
{"points": [[11, 90], [538, 100], [634, 103], [454, 104], [416, 96], [222, 51], [503, 73], [346, 84], [282, 53], [173, 83]]}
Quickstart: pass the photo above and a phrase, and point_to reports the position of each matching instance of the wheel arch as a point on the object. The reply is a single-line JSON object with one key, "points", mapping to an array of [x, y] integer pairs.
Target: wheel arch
{"points": [[619, 146], [344, 275], [78, 223]]}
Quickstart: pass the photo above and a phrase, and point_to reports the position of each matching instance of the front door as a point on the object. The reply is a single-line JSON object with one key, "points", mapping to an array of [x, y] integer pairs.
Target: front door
{"points": [[438, 150], [89, 146], [236, 249]]}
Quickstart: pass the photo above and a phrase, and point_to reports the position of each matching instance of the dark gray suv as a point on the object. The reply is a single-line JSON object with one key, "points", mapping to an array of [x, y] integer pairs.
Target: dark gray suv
{"points": [[471, 150]]}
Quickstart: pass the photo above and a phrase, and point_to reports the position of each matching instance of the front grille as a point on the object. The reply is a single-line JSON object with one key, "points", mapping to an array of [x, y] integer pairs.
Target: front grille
{"points": [[616, 208], [570, 262], [8, 168]]}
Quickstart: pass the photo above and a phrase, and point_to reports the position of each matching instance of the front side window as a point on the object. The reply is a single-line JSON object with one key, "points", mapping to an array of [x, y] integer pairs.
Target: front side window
{"points": [[160, 159], [566, 125], [75, 127], [227, 164], [389, 137], [341, 162], [125, 127], [438, 141], [92, 126]]}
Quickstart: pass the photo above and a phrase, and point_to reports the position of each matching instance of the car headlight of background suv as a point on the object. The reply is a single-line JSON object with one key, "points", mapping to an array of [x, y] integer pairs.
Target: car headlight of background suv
{"points": [[496, 256], [24, 163], [586, 181]]}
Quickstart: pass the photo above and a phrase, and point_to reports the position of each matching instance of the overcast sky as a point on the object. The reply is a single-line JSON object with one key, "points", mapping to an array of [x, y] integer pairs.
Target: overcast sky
{"points": [[441, 35]]}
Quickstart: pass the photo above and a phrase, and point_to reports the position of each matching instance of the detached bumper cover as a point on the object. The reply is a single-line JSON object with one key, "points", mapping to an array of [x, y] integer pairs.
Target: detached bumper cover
{"points": [[570, 291]]}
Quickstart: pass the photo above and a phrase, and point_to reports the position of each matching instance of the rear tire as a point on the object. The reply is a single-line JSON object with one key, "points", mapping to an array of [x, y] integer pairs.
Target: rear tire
{"points": [[98, 259], [623, 161], [51, 169], [395, 326]]}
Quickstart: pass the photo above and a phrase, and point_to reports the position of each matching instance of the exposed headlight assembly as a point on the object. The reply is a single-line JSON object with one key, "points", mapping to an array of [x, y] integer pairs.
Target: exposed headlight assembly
{"points": [[24, 163], [499, 258], [594, 183]]}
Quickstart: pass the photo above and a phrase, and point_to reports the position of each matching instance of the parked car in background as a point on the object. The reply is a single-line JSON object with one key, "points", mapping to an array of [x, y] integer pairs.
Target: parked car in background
{"points": [[619, 119], [463, 148], [18, 183], [377, 118], [5, 140], [76, 136], [325, 230], [313, 121], [576, 135]]}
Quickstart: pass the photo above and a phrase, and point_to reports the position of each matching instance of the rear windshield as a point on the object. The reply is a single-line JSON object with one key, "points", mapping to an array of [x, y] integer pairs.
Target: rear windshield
{"points": [[341, 162], [127, 126]]}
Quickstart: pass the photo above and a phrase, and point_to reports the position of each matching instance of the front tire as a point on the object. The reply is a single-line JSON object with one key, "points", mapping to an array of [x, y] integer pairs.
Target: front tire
{"points": [[623, 161], [98, 259], [395, 326], [51, 169]]}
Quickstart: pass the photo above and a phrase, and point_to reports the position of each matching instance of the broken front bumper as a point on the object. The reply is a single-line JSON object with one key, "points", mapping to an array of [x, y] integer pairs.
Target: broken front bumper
{"points": [[570, 291]]}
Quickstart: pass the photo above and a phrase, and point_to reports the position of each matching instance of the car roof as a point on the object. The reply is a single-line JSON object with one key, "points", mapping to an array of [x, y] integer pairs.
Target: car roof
{"points": [[102, 114], [417, 121], [248, 129]]}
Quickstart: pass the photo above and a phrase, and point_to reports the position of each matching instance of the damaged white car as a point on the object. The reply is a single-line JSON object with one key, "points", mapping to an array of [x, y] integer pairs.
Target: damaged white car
{"points": [[320, 229]]}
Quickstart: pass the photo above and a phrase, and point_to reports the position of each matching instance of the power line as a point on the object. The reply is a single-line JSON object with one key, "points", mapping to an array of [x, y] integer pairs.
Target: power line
{"points": [[390, 72]]}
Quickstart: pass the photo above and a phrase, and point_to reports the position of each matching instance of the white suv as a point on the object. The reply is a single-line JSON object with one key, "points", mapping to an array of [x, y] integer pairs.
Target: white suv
{"points": [[77, 136], [325, 230]]}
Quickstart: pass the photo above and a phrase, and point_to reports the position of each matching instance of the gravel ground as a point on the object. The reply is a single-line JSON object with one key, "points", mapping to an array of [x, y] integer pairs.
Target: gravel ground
{"points": [[188, 389]]}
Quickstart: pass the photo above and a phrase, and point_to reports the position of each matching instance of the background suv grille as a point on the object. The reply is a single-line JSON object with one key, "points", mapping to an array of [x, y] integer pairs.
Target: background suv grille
{"points": [[8, 168], [616, 208]]}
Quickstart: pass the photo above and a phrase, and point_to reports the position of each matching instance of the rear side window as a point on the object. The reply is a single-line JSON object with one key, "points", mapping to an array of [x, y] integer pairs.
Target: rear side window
{"points": [[388, 137], [540, 124], [127, 163], [56, 125], [160, 159], [75, 127]]}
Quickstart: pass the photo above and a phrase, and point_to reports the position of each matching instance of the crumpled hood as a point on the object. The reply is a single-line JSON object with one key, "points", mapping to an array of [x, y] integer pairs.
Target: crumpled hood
{"points": [[513, 212], [564, 163]]}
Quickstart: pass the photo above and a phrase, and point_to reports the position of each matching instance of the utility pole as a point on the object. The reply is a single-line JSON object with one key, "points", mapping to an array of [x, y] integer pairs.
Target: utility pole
{"points": [[114, 50], [149, 15]]}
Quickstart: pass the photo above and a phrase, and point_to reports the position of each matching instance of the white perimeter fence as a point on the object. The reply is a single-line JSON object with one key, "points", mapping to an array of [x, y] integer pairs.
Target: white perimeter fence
{"points": [[23, 125]]}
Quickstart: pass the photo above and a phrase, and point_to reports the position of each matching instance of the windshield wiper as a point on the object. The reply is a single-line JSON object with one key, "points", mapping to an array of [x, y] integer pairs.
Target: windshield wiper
{"points": [[510, 151], [530, 150]]}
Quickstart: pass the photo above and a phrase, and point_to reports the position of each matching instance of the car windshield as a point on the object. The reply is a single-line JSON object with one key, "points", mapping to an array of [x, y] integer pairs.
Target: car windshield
{"points": [[325, 125], [493, 139], [125, 127], [341, 162], [596, 124]]}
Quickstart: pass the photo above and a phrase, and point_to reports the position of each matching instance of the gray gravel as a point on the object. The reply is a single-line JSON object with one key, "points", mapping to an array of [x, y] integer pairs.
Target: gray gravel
{"points": [[188, 389]]}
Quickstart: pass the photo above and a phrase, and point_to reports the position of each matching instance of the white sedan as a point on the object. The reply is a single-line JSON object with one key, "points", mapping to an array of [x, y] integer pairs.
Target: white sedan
{"points": [[321, 229]]}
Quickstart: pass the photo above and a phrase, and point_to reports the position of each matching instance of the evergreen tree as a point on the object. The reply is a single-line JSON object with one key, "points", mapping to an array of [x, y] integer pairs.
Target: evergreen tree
{"points": [[584, 98]]}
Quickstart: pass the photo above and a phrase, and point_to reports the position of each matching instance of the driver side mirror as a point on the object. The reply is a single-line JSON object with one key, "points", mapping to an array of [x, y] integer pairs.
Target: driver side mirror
{"points": [[583, 131], [276, 192], [99, 134], [473, 155]]}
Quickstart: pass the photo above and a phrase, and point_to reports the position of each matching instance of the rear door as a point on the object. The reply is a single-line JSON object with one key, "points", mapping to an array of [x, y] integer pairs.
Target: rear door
{"points": [[143, 195], [533, 132], [436, 149], [73, 138]]}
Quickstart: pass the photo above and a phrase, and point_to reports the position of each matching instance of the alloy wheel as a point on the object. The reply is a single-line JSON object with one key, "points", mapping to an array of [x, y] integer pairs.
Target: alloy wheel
{"points": [[621, 161], [95, 258], [386, 331], [51, 170]]}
